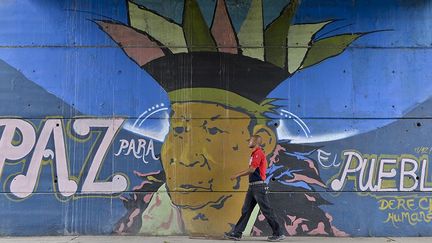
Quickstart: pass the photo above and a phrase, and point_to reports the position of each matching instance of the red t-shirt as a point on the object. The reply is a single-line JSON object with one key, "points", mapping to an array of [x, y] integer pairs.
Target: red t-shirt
{"points": [[259, 162]]}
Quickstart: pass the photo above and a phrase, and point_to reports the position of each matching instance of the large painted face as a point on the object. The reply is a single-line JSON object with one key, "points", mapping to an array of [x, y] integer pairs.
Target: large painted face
{"points": [[201, 151]]}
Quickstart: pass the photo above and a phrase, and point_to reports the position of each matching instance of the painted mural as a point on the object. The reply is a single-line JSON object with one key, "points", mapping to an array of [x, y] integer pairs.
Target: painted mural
{"points": [[129, 116]]}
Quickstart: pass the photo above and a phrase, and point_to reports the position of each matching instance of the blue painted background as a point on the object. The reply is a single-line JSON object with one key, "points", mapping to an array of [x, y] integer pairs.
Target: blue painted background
{"points": [[378, 88]]}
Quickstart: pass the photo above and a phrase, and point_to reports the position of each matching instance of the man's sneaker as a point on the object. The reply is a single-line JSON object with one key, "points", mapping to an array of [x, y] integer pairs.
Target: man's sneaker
{"points": [[276, 238], [232, 236]]}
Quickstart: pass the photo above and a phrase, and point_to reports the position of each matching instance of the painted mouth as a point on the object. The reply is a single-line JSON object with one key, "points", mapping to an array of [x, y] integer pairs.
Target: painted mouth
{"points": [[202, 163], [218, 204], [194, 188]]}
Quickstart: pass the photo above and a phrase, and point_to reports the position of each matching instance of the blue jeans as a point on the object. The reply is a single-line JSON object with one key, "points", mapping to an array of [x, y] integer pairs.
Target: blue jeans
{"points": [[257, 194]]}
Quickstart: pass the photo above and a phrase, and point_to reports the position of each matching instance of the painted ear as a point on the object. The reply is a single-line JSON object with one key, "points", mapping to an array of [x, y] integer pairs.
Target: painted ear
{"points": [[268, 137]]}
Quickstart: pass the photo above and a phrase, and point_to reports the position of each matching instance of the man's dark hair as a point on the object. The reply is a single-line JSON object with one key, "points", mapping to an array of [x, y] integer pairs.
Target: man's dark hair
{"points": [[258, 139]]}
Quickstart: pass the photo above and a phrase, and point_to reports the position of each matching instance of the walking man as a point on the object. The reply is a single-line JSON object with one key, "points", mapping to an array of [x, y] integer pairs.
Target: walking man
{"points": [[257, 193]]}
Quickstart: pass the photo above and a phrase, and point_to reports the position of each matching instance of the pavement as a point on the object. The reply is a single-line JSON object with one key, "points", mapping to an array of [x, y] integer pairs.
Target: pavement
{"points": [[185, 239]]}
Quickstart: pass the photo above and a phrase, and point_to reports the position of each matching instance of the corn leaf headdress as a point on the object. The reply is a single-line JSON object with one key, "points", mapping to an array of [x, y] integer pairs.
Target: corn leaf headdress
{"points": [[250, 63]]}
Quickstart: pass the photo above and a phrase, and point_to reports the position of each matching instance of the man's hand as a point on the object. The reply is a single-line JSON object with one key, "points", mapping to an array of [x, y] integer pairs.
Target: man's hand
{"points": [[249, 171]]}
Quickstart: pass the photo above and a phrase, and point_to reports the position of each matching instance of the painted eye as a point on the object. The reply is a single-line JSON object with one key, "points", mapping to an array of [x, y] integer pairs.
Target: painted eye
{"points": [[214, 130], [179, 130]]}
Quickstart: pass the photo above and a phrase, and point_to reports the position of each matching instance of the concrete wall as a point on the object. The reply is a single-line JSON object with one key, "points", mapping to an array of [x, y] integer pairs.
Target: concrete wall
{"points": [[125, 117]]}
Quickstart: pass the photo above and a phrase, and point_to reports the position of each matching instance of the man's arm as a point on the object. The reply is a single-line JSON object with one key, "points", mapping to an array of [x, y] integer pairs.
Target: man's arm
{"points": [[256, 160], [246, 172]]}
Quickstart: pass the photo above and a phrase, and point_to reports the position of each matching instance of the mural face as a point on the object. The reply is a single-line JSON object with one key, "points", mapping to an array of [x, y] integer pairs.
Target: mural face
{"points": [[129, 117], [199, 156]]}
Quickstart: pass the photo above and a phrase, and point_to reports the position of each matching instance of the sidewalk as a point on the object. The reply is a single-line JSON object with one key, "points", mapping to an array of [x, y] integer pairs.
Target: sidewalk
{"points": [[177, 239]]}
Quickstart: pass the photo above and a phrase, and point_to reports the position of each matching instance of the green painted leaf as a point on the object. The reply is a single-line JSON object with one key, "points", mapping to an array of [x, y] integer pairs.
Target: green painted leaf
{"points": [[275, 36], [251, 35], [196, 31], [165, 31], [299, 37], [328, 47]]}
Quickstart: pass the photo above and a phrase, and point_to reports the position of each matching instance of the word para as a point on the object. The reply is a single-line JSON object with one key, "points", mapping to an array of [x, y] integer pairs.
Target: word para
{"points": [[138, 149]]}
